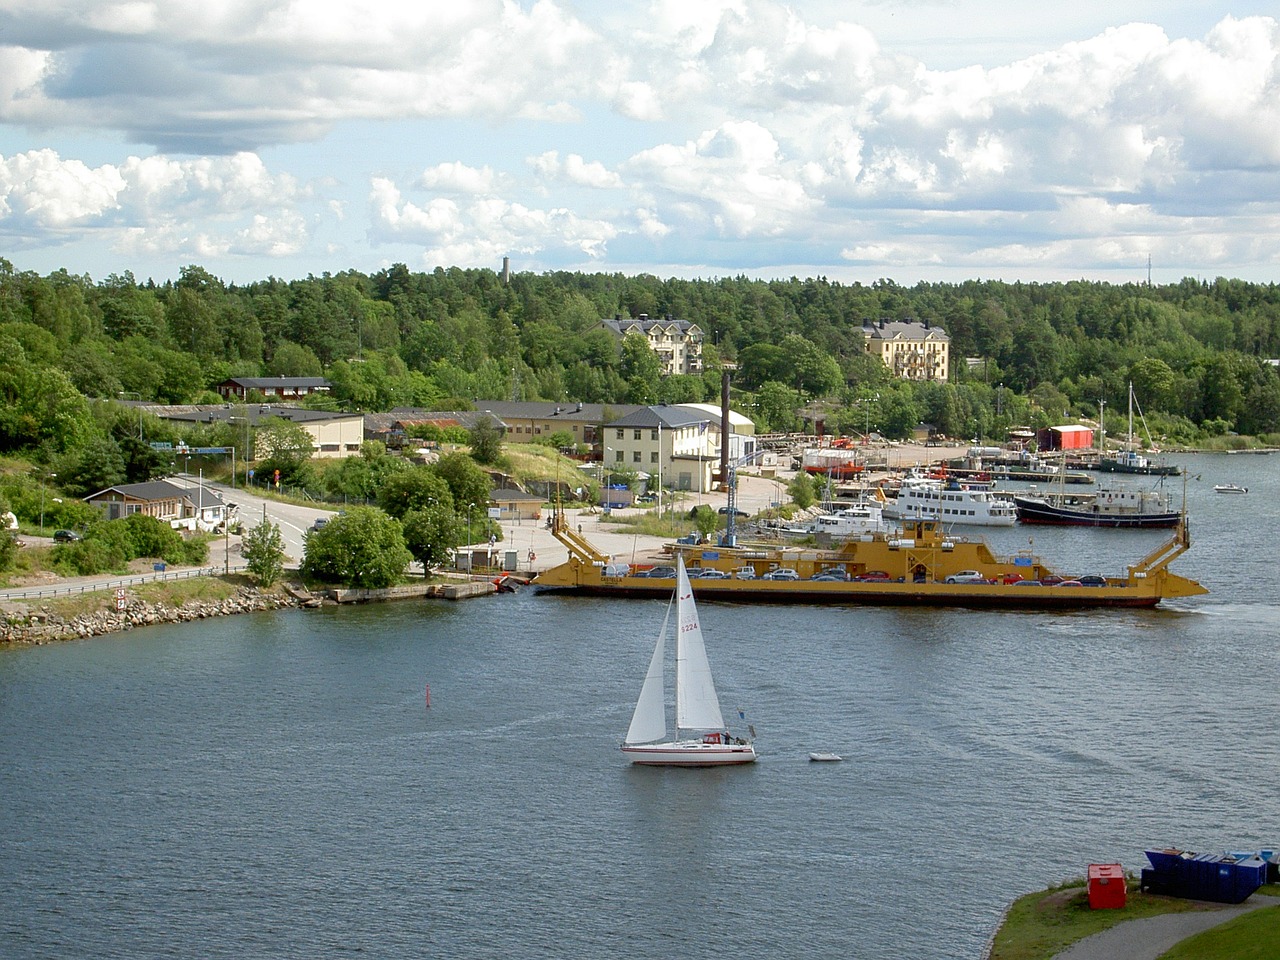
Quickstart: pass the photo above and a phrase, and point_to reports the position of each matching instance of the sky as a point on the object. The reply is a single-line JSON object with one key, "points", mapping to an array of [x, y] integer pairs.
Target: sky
{"points": [[899, 139]]}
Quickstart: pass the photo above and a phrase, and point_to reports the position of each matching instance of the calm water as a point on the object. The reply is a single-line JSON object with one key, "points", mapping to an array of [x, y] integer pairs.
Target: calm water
{"points": [[274, 785]]}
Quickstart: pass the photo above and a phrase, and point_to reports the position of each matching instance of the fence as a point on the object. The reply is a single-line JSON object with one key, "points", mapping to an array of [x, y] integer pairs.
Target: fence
{"points": [[94, 586]]}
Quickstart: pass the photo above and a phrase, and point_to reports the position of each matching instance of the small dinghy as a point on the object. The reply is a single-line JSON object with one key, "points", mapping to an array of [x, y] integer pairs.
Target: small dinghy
{"points": [[825, 757]]}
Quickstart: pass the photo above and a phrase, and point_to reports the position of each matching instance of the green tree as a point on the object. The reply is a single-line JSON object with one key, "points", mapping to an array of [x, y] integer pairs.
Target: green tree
{"points": [[418, 488], [705, 520], [801, 490], [486, 441], [431, 534], [641, 368], [282, 445], [467, 482], [263, 550], [363, 547]]}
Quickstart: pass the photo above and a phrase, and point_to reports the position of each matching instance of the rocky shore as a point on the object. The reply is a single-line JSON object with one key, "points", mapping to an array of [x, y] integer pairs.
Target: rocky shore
{"points": [[43, 626]]}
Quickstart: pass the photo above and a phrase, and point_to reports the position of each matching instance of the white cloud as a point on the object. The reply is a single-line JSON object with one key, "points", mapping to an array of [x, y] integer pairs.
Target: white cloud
{"points": [[575, 170], [460, 178]]}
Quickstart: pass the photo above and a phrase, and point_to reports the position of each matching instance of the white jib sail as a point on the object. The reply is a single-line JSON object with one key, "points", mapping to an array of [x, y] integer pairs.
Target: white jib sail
{"points": [[697, 706], [649, 722]]}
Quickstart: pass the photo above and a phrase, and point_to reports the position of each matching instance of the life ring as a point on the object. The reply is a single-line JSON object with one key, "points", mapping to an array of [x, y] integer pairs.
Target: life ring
{"points": [[1109, 498], [532, 556]]}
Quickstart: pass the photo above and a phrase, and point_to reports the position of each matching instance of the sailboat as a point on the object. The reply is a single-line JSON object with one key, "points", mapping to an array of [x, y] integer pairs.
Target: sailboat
{"points": [[697, 706]]}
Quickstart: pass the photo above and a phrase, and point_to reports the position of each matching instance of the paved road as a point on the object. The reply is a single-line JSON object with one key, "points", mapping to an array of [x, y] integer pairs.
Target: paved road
{"points": [[1148, 938]]}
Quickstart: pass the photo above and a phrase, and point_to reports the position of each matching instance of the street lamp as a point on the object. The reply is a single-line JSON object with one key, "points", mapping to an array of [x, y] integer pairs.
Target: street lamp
{"points": [[604, 493], [230, 421], [470, 509]]}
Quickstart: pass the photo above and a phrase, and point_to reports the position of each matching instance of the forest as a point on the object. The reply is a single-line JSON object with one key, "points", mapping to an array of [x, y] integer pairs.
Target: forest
{"points": [[1198, 353]]}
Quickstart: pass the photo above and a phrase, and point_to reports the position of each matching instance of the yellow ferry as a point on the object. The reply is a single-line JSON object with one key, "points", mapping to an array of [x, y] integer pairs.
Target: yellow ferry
{"points": [[922, 564]]}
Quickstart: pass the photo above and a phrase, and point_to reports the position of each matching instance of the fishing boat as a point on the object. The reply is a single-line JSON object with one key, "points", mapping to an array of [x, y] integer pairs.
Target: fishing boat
{"points": [[910, 566], [697, 706], [1128, 459], [952, 501], [1112, 505], [1229, 488]]}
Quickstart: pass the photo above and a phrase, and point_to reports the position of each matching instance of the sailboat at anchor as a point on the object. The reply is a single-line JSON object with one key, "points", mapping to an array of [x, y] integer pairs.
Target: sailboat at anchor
{"points": [[697, 706]]}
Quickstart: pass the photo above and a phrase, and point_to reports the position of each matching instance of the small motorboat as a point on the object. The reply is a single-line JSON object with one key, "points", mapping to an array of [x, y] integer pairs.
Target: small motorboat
{"points": [[825, 757], [1229, 488]]}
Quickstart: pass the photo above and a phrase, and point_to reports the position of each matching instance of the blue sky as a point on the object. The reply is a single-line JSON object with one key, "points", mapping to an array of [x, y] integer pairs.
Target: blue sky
{"points": [[907, 140]]}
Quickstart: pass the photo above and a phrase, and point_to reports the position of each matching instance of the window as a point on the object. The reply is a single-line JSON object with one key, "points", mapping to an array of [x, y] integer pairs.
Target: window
{"points": [[653, 457], [617, 456], [636, 434], [635, 456], [619, 433]]}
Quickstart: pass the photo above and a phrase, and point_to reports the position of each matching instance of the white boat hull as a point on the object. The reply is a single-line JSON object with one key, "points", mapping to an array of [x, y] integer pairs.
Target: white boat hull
{"points": [[689, 753]]}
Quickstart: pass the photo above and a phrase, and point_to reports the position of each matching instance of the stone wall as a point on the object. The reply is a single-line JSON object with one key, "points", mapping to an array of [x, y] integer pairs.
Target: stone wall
{"points": [[42, 626]]}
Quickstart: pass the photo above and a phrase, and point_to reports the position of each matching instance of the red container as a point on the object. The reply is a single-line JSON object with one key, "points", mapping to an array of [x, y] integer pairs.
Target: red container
{"points": [[1106, 886]]}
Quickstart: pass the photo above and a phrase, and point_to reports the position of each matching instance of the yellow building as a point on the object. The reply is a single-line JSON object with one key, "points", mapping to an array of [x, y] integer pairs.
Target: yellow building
{"points": [[911, 350]]}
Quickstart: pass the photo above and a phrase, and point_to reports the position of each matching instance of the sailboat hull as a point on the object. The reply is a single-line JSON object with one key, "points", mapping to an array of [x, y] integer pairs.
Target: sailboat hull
{"points": [[689, 753]]}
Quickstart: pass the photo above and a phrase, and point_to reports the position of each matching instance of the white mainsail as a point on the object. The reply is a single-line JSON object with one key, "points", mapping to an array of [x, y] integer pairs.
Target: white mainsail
{"points": [[649, 722], [697, 706]]}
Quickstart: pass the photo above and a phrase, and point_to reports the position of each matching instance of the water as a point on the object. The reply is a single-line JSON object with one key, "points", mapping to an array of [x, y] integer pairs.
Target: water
{"points": [[274, 785]]}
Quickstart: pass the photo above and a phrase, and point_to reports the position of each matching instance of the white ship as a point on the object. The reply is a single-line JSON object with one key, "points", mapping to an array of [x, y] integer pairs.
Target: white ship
{"points": [[951, 502]]}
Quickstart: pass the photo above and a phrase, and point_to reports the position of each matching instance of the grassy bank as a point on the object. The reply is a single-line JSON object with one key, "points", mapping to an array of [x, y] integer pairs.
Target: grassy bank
{"points": [[1040, 925]]}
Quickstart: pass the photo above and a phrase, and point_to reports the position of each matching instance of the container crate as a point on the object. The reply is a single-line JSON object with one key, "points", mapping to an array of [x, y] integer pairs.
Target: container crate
{"points": [[1106, 886]]}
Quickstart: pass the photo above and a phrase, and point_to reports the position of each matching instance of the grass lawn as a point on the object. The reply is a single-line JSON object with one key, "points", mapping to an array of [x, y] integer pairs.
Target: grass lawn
{"points": [[1045, 923], [1250, 937]]}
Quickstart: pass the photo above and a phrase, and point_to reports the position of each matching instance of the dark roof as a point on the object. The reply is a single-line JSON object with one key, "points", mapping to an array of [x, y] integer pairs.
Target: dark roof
{"points": [[644, 323], [410, 416], [510, 493], [257, 383], [253, 412], [161, 490], [541, 410], [667, 416], [909, 329]]}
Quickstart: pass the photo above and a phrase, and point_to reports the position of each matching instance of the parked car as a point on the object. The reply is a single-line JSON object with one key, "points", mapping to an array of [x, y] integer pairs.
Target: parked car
{"points": [[661, 572], [1093, 581], [744, 573], [66, 536], [781, 573], [710, 573], [831, 573], [724, 511], [967, 576], [1052, 580], [872, 575]]}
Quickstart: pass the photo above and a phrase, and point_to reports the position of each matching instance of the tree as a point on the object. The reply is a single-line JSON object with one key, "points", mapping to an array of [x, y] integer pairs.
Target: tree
{"points": [[431, 534], [468, 483], [282, 445], [414, 489], [263, 550], [486, 441], [801, 490], [363, 547], [705, 520]]}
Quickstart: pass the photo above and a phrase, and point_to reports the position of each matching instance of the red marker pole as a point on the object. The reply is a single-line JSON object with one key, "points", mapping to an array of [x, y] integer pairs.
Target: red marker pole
{"points": [[428, 696]]}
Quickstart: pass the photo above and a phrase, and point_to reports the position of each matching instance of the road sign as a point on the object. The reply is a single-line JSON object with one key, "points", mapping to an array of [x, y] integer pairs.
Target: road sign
{"points": [[120, 595]]}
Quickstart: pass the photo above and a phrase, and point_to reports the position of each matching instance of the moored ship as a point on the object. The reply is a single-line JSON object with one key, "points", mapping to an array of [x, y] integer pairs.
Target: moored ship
{"points": [[1111, 506], [921, 565]]}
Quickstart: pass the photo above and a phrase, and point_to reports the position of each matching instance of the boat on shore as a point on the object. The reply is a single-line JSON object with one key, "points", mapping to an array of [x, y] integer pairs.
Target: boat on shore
{"points": [[922, 565], [1112, 505]]}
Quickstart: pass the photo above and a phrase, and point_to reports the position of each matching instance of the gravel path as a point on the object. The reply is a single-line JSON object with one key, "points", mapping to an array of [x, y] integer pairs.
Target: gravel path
{"points": [[1147, 939]]}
